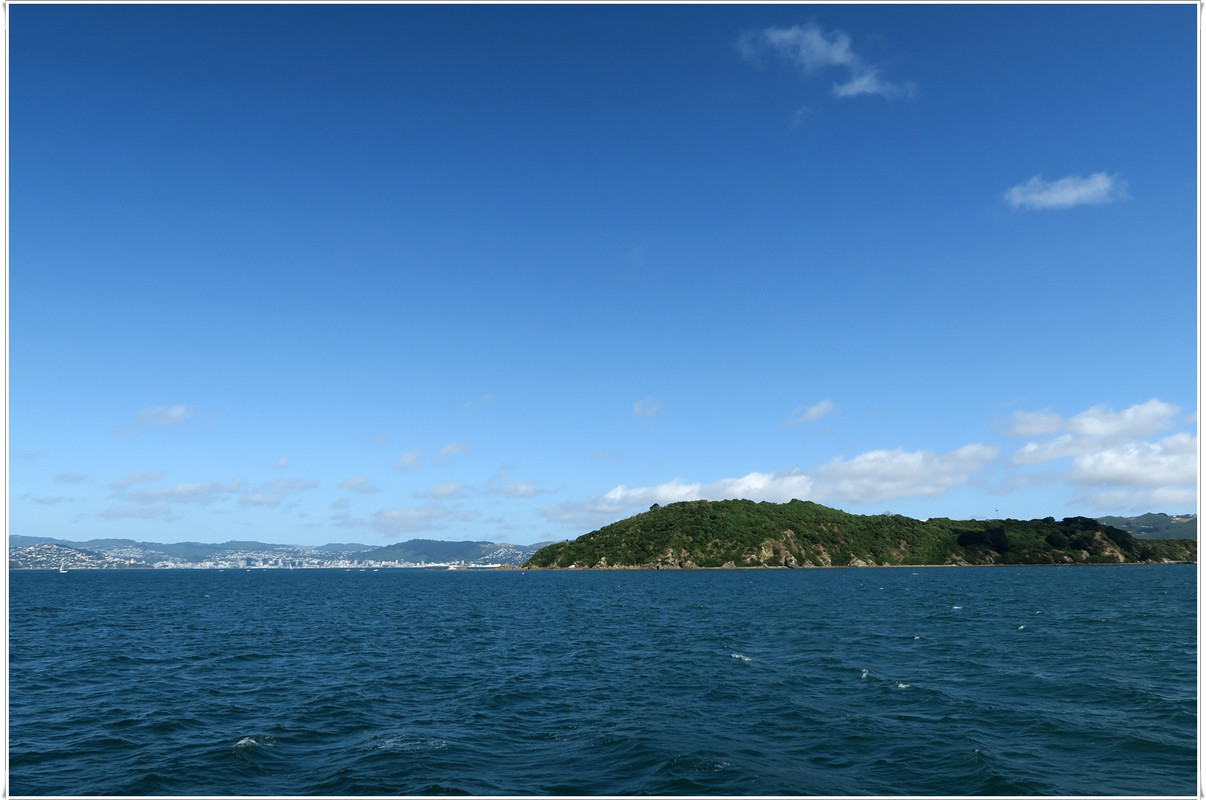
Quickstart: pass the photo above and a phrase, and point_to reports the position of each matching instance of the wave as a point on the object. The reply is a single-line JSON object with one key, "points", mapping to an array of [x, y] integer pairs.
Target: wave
{"points": [[407, 685], [254, 743], [405, 742]]}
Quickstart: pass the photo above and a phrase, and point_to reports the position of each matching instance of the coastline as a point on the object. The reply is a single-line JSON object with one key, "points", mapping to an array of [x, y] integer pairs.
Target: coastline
{"points": [[660, 568]]}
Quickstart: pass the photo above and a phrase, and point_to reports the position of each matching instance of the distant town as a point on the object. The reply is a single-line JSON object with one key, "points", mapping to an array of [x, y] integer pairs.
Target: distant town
{"points": [[32, 553]]}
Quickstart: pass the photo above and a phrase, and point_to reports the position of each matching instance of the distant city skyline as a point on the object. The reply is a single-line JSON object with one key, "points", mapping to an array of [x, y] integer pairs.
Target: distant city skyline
{"points": [[305, 274]]}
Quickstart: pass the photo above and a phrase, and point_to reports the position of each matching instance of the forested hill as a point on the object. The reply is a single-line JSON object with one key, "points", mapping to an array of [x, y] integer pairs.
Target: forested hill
{"points": [[742, 533]]}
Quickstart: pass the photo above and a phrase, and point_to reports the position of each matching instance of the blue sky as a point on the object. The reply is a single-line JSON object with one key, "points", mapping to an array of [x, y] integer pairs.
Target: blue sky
{"points": [[314, 274]]}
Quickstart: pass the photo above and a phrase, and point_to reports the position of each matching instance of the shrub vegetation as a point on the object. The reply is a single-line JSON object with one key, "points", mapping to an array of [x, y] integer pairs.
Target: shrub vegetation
{"points": [[743, 533]]}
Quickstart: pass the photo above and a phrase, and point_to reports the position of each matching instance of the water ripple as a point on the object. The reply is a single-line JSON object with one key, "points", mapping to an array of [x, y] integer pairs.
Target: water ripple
{"points": [[928, 682]]}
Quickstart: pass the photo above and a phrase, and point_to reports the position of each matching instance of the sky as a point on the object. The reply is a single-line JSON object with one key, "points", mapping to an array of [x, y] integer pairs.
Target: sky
{"points": [[312, 273]]}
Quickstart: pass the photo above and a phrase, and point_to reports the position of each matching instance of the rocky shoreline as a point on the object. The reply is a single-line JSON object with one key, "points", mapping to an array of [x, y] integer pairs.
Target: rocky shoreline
{"points": [[861, 565]]}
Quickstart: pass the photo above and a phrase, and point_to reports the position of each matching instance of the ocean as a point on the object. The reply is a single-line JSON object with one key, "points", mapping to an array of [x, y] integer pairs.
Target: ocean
{"points": [[888, 681]]}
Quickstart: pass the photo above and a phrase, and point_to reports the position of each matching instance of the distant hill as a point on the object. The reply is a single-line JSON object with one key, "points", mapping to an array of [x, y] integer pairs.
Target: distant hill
{"points": [[1157, 526], [37, 552], [345, 547], [742, 533], [431, 551], [48, 555]]}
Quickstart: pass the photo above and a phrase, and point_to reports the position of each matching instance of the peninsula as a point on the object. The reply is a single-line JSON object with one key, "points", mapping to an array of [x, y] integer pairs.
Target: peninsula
{"points": [[743, 533]]}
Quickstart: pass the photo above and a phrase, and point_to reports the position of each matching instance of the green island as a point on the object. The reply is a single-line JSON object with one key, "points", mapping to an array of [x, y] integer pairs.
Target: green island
{"points": [[701, 534]]}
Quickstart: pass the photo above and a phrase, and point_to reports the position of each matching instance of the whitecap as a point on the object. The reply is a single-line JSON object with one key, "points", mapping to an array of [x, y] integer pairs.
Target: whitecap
{"points": [[956, 606], [251, 741], [410, 743], [902, 685], [743, 658], [1021, 627], [865, 672]]}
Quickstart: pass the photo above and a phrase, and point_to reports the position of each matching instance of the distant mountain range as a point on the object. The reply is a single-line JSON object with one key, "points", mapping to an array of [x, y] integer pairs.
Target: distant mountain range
{"points": [[1156, 526], [41, 552]]}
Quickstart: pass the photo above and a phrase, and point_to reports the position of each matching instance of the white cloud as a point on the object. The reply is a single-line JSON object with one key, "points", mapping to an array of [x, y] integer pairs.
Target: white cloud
{"points": [[445, 489], [646, 408], [890, 474], [147, 476], [1090, 430], [670, 492], [811, 50], [136, 512], [522, 489], [502, 484], [869, 82], [199, 493], [810, 414], [342, 502], [1143, 419], [806, 46], [449, 451], [360, 485], [70, 477], [411, 459], [158, 417], [282, 462], [802, 113], [621, 501], [873, 476], [1034, 423], [1173, 461], [399, 521], [1112, 459], [1096, 189], [274, 492], [44, 500], [1059, 447]]}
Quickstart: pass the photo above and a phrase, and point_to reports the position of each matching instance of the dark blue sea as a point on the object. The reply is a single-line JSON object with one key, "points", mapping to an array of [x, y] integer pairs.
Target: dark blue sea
{"points": [[905, 681]]}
